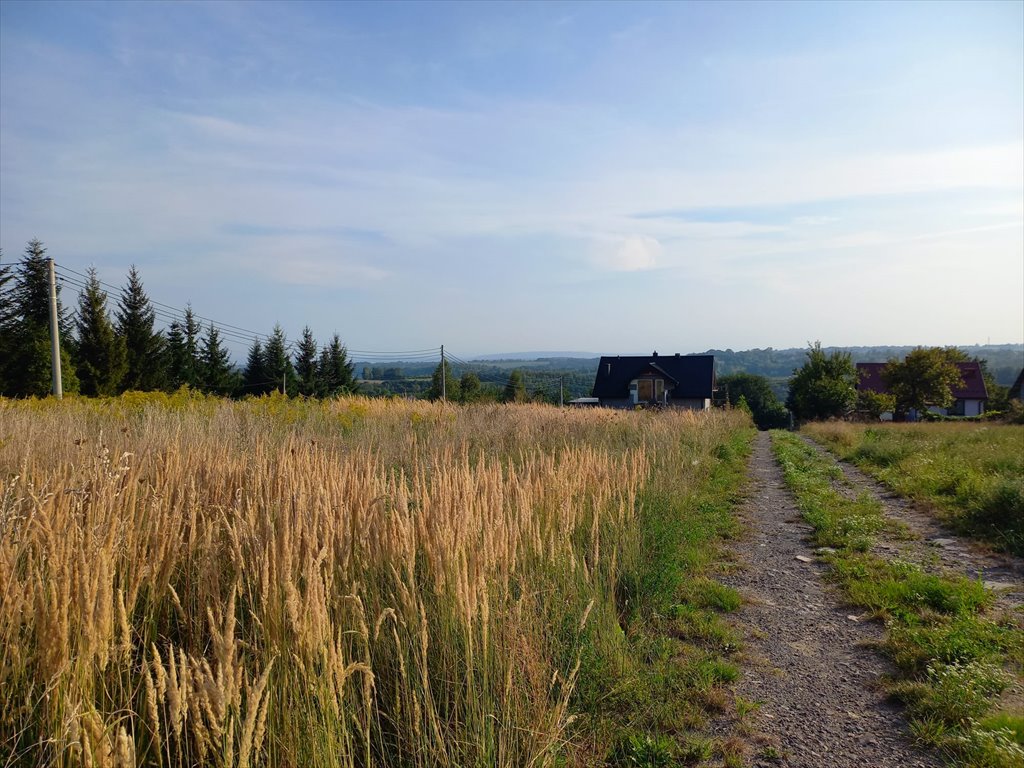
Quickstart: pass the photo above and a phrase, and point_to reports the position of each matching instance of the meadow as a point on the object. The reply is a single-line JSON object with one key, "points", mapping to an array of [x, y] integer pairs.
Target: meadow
{"points": [[191, 581], [971, 474]]}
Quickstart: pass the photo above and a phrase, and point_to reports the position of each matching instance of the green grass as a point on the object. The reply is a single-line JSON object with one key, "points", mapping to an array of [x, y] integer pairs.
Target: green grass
{"points": [[973, 474], [650, 694], [953, 657]]}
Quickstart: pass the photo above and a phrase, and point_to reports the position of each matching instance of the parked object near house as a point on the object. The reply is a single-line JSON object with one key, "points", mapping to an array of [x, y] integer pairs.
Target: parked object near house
{"points": [[970, 396], [677, 381]]}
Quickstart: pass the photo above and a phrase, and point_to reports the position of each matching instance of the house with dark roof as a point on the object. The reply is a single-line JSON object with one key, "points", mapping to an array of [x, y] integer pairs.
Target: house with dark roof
{"points": [[678, 381], [970, 395], [1017, 388]]}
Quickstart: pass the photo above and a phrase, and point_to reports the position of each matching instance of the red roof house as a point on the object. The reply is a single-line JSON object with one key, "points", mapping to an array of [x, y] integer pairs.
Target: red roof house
{"points": [[970, 395]]}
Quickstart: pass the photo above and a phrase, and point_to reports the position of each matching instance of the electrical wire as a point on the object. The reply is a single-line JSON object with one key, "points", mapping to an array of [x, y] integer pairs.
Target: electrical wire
{"points": [[238, 334]]}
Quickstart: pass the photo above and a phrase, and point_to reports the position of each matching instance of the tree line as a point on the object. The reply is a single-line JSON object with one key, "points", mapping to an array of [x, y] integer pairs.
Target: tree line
{"points": [[825, 386], [107, 352]]}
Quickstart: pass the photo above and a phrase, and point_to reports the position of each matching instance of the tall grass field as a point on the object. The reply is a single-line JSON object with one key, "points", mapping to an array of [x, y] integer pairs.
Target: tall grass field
{"points": [[972, 474], [191, 581]]}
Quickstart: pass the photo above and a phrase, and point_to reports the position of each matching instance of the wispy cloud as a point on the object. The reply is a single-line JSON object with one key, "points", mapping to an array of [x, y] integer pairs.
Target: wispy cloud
{"points": [[350, 150]]}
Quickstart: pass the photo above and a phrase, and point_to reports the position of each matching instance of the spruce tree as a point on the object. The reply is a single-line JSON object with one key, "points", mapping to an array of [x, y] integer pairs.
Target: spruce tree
{"points": [[27, 364], [335, 373], [306, 363], [255, 380], [144, 347], [215, 364], [100, 351], [7, 317], [175, 357], [277, 364], [443, 382], [515, 389]]}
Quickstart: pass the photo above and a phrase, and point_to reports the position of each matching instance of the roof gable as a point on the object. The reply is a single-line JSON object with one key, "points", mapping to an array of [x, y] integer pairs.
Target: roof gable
{"points": [[691, 376]]}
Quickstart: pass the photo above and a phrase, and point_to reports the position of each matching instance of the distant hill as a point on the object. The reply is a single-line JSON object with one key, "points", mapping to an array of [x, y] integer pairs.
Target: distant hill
{"points": [[574, 371], [537, 356]]}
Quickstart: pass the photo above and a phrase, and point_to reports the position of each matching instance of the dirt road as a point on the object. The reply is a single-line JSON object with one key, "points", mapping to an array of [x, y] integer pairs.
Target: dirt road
{"points": [[807, 665]]}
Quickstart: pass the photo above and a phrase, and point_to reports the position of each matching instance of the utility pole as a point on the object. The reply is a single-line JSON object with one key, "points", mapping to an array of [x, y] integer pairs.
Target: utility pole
{"points": [[444, 384], [284, 383], [561, 390], [58, 388]]}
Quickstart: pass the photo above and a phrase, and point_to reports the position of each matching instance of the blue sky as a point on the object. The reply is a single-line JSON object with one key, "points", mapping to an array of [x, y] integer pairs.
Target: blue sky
{"points": [[562, 176]]}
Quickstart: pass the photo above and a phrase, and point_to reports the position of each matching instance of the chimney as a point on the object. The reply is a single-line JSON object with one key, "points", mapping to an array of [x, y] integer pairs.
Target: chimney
{"points": [[654, 354]]}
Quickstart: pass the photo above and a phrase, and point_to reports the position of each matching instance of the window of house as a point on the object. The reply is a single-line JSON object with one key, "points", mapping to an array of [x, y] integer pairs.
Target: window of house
{"points": [[659, 390]]}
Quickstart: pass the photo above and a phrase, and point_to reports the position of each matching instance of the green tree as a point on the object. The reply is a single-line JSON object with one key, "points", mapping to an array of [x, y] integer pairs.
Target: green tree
{"points": [[824, 387], [184, 367], [451, 384], [469, 387], [874, 404], [7, 319], [216, 373], [100, 350], [515, 389], [277, 364], [306, 363], [925, 377], [335, 374], [256, 380], [27, 365], [764, 406], [145, 348]]}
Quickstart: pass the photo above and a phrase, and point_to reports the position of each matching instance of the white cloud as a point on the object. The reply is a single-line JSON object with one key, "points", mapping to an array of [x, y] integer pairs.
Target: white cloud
{"points": [[634, 253]]}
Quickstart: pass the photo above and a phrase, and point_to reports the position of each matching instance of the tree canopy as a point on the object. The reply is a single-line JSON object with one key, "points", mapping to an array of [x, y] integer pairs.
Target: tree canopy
{"points": [[925, 377], [515, 389], [824, 386], [100, 351], [756, 392], [26, 367], [144, 346]]}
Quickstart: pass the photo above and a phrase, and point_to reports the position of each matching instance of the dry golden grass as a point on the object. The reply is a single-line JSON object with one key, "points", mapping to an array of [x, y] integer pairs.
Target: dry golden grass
{"points": [[188, 581]]}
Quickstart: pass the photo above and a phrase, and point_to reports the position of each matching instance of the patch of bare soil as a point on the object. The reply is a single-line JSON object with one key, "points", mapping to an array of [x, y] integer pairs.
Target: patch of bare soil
{"points": [[807, 664]]}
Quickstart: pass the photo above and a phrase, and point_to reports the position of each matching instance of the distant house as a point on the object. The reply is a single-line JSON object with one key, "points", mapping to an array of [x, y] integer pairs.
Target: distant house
{"points": [[970, 395], [679, 381], [1017, 388]]}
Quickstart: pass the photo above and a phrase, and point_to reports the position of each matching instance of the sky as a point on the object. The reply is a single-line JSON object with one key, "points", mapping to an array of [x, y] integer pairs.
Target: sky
{"points": [[602, 177]]}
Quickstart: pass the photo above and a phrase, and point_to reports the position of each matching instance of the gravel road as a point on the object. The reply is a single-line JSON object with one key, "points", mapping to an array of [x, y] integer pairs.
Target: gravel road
{"points": [[807, 664]]}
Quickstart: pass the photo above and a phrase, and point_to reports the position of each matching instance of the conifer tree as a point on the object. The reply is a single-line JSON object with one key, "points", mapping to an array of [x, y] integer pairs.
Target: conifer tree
{"points": [[335, 373], [144, 347], [443, 384], [277, 364], [174, 357], [215, 364], [100, 351], [469, 387], [255, 379], [27, 366], [6, 319], [182, 357], [306, 363], [515, 389]]}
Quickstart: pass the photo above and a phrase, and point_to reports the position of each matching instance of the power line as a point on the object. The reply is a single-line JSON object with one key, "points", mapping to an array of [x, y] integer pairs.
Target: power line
{"points": [[236, 333], [247, 331]]}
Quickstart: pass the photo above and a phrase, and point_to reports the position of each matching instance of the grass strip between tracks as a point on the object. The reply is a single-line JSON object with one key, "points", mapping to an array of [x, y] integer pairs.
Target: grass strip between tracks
{"points": [[957, 658]]}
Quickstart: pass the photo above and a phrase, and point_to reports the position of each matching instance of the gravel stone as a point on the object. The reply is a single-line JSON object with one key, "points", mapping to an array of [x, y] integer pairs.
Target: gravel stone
{"points": [[806, 661]]}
